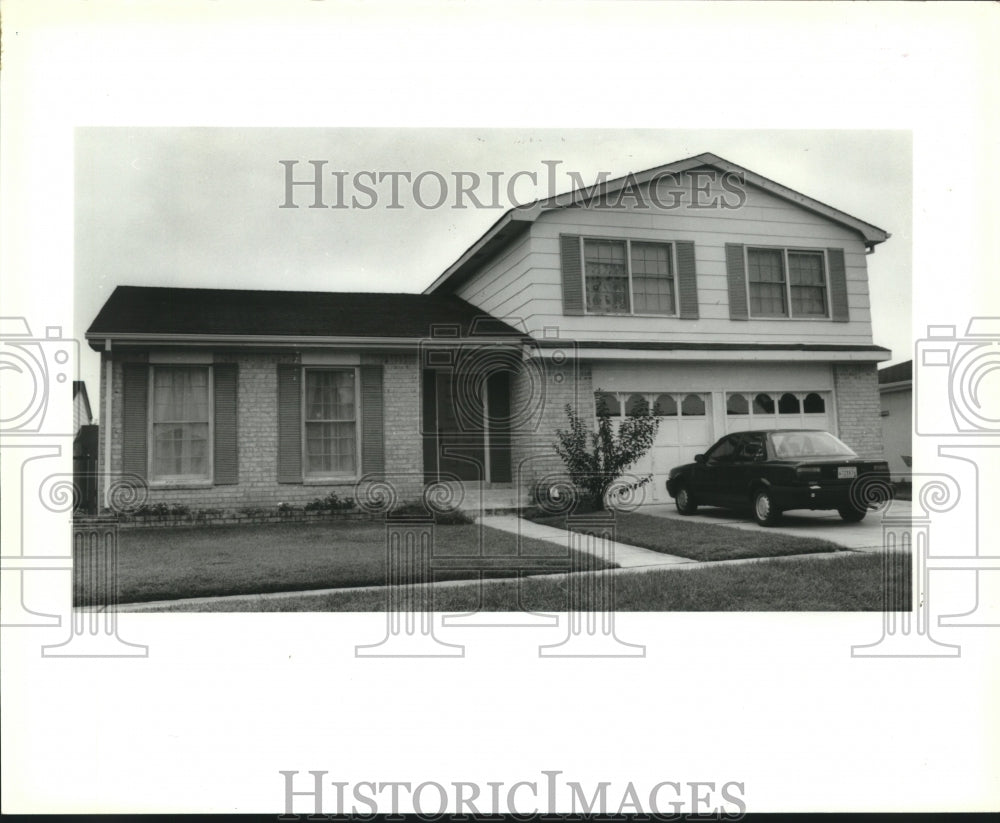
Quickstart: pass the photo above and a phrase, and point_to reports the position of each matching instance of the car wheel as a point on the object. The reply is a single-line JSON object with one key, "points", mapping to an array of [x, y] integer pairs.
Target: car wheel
{"points": [[685, 502], [764, 510], [851, 515]]}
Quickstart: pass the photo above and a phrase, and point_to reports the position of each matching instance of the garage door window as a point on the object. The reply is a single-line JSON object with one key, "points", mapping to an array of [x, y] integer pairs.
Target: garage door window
{"points": [[665, 406], [736, 404], [772, 410], [693, 406], [788, 404]]}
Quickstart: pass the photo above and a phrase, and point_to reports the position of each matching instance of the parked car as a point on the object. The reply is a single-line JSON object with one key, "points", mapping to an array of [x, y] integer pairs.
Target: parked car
{"points": [[772, 471]]}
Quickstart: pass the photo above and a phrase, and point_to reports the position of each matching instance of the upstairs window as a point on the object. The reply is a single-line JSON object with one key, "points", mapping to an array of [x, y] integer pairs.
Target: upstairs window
{"points": [[783, 278], [629, 277]]}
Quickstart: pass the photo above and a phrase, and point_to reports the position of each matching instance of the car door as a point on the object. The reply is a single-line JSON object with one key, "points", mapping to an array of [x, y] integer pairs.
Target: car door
{"points": [[712, 474], [750, 455]]}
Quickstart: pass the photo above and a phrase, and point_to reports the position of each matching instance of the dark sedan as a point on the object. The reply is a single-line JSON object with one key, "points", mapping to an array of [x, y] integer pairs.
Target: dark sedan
{"points": [[771, 471]]}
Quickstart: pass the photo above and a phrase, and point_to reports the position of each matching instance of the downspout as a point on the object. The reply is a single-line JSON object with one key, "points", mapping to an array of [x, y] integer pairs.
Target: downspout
{"points": [[109, 374]]}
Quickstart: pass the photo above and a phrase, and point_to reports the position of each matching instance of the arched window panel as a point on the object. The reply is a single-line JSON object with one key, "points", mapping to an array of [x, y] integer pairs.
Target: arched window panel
{"points": [[788, 404], [763, 404], [665, 406], [636, 405], [607, 402], [814, 404], [693, 406], [737, 404]]}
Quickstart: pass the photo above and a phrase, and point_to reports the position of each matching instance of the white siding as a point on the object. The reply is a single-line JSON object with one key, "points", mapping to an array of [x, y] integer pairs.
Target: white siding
{"points": [[525, 281]]}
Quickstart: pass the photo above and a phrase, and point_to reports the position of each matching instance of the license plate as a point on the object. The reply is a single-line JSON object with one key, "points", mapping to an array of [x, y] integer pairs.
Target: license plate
{"points": [[846, 472]]}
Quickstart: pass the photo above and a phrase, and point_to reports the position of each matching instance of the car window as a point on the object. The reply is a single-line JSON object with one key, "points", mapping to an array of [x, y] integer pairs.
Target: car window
{"points": [[808, 444], [725, 449], [752, 448]]}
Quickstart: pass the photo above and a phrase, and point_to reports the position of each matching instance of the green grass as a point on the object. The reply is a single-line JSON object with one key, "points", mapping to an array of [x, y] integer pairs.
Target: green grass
{"points": [[845, 582], [165, 564], [701, 541]]}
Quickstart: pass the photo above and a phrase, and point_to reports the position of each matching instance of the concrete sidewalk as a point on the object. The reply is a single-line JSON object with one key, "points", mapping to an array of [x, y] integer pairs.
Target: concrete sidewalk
{"points": [[626, 556]]}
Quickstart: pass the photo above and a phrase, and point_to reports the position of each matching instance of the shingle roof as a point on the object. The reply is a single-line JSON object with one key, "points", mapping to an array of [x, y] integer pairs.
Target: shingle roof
{"points": [[237, 313], [896, 373]]}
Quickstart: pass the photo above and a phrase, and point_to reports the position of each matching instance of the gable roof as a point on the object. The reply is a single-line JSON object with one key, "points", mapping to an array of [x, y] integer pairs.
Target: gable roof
{"points": [[141, 313], [80, 390], [517, 220]]}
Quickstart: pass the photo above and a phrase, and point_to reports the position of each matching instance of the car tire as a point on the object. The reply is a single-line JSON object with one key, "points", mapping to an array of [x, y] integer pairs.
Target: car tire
{"points": [[685, 502], [765, 512], [849, 514]]}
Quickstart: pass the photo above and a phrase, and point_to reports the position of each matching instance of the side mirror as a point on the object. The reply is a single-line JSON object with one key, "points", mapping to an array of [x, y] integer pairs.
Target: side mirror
{"points": [[699, 458]]}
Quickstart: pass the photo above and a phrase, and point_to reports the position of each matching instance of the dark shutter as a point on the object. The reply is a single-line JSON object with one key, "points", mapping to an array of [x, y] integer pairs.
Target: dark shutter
{"points": [[737, 276], [135, 400], [226, 457], [838, 285], [687, 281], [372, 413], [572, 274], [289, 423]]}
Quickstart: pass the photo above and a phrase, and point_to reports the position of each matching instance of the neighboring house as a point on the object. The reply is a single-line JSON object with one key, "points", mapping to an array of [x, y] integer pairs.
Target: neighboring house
{"points": [[82, 416], [753, 315], [895, 388]]}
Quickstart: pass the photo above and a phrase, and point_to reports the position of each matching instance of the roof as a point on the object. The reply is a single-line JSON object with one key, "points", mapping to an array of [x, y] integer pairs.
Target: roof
{"points": [[80, 388], [141, 313], [896, 373], [516, 221]]}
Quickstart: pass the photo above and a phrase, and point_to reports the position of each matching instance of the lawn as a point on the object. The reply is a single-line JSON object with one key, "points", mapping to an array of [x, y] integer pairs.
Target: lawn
{"points": [[701, 541], [845, 582], [165, 564]]}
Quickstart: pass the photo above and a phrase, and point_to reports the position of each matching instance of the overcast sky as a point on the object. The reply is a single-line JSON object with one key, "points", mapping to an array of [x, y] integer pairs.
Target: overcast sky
{"points": [[200, 206]]}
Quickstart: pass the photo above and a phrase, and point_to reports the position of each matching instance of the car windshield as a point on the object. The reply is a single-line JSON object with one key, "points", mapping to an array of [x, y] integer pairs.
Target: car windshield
{"points": [[808, 444]]}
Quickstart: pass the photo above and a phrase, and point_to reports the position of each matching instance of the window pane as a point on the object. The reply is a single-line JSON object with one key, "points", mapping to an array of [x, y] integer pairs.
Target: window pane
{"points": [[330, 448], [665, 406], [606, 275], [789, 404], [763, 404], [808, 300], [636, 405], [805, 275], [180, 449], [608, 401], [180, 394], [737, 404], [693, 406], [814, 404], [652, 278], [330, 395], [767, 282]]}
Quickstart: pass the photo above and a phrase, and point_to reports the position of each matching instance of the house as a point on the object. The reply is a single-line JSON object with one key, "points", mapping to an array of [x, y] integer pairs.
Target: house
{"points": [[82, 415], [720, 298], [895, 389]]}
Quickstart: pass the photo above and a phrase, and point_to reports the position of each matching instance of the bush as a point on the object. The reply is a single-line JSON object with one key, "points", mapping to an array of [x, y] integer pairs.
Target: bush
{"points": [[596, 460], [451, 517], [331, 503]]}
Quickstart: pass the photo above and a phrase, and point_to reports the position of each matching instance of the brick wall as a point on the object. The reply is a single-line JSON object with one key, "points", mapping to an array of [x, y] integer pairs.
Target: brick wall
{"points": [[858, 409], [542, 391], [257, 436]]}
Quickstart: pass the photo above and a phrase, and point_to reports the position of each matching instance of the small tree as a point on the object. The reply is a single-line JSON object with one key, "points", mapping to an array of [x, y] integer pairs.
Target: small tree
{"points": [[595, 460]]}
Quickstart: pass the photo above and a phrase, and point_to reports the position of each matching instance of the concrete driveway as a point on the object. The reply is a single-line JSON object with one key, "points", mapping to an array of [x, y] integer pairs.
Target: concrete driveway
{"points": [[825, 525]]}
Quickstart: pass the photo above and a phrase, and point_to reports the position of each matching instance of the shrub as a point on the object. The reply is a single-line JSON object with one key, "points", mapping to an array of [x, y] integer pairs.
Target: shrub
{"points": [[450, 517], [331, 503], [179, 509], [596, 460]]}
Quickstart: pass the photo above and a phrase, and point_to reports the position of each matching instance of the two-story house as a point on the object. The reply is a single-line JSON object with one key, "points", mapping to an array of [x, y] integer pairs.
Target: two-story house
{"points": [[720, 298]]}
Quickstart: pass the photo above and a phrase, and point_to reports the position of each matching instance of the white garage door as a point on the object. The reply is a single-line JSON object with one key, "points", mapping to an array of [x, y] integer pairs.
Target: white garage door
{"points": [[685, 430], [778, 410]]}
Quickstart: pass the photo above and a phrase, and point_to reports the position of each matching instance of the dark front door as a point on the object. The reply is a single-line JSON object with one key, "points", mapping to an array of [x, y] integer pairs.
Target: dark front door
{"points": [[466, 431]]}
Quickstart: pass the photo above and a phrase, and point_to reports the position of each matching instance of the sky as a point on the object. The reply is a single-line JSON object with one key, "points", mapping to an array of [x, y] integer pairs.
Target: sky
{"points": [[201, 207]]}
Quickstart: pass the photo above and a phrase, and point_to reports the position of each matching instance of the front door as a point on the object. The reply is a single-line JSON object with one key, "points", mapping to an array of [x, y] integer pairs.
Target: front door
{"points": [[466, 436]]}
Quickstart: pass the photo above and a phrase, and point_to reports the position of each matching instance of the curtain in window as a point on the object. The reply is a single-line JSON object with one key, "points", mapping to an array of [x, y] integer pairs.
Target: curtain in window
{"points": [[766, 271], [652, 278], [331, 433], [606, 276], [180, 422], [805, 276]]}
